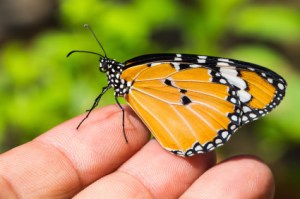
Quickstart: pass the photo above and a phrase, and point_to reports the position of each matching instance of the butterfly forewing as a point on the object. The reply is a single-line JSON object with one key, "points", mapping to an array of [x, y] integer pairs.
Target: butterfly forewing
{"points": [[193, 104]]}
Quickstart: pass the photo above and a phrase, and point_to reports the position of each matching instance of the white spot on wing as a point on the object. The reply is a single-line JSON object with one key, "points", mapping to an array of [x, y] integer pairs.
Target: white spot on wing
{"points": [[229, 71], [233, 100], [223, 81], [281, 80], [198, 148], [222, 64], [270, 80], [194, 66], [233, 127], [224, 134], [228, 137], [155, 64], [176, 65], [234, 118], [201, 61], [236, 81], [244, 118], [280, 86], [218, 141], [246, 109], [210, 147], [223, 60], [244, 96]]}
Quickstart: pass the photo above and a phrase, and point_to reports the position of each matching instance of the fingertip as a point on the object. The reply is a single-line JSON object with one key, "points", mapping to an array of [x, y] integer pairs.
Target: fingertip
{"points": [[242, 176], [163, 173], [257, 176]]}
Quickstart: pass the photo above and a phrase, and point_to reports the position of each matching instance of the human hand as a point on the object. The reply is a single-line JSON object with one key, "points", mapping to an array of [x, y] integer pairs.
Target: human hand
{"points": [[96, 162]]}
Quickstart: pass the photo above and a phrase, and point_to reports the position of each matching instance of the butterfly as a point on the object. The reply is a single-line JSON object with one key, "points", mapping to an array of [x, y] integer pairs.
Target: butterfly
{"points": [[191, 103]]}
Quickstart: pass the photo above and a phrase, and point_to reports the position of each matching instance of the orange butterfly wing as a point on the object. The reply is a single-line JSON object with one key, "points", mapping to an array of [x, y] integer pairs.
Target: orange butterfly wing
{"points": [[185, 110], [192, 104]]}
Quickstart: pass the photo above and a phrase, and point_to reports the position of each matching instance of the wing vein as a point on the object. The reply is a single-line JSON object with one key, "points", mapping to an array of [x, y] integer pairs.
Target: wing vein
{"points": [[167, 102], [201, 118], [212, 116], [203, 93], [157, 119], [185, 121]]}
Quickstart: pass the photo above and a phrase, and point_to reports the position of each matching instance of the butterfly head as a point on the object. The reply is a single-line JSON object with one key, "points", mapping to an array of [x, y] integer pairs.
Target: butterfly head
{"points": [[105, 64], [110, 66]]}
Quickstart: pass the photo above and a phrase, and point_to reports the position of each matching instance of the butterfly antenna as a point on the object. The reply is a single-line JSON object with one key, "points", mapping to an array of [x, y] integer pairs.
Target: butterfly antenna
{"points": [[83, 51], [91, 30]]}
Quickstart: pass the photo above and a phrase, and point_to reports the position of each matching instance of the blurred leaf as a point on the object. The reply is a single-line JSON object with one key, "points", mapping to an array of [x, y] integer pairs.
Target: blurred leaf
{"points": [[286, 117], [272, 22], [261, 55]]}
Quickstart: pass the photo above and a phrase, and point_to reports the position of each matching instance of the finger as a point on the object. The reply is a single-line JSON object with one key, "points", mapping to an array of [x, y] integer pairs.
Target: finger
{"points": [[239, 177], [151, 173], [62, 161]]}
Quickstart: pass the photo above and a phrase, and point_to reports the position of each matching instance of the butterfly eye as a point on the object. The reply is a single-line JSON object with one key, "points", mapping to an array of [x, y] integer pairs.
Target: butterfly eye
{"points": [[103, 65]]}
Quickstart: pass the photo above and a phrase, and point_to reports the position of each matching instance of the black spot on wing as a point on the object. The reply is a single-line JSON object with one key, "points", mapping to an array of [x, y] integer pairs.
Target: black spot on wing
{"points": [[185, 100], [182, 90], [184, 66], [168, 82]]}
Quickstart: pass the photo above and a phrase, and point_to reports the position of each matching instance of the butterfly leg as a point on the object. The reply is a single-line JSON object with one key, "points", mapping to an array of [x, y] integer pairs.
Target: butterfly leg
{"points": [[123, 118], [104, 89]]}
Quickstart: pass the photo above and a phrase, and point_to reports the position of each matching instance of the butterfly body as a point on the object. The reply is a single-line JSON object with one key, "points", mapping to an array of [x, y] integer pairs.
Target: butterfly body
{"points": [[113, 70]]}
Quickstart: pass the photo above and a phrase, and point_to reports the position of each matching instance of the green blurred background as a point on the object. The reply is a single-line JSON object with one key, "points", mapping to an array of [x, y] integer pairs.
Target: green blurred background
{"points": [[41, 88]]}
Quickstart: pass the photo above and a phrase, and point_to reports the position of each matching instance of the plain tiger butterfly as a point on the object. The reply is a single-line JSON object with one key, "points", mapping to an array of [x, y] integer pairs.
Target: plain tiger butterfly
{"points": [[191, 103]]}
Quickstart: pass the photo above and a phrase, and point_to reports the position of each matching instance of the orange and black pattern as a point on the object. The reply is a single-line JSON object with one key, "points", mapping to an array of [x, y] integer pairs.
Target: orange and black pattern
{"points": [[193, 104]]}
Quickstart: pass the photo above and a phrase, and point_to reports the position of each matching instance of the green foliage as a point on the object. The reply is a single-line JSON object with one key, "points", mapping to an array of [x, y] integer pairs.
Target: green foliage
{"points": [[278, 23], [42, 88]]}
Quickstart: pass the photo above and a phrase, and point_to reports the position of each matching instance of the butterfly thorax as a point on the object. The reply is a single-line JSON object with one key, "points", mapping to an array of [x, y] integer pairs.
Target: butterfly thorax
{"points": [[113, 70]]}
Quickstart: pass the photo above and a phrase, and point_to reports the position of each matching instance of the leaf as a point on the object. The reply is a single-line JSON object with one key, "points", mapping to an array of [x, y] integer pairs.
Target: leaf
{"points": [[268, 22]]}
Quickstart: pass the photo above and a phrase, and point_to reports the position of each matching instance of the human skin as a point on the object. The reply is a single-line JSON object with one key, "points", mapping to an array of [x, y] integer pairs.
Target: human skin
{"points": [[96, 162]]}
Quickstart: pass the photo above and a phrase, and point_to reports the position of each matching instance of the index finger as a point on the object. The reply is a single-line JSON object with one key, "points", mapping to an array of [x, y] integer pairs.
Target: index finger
{"points": [[62, 161]]}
